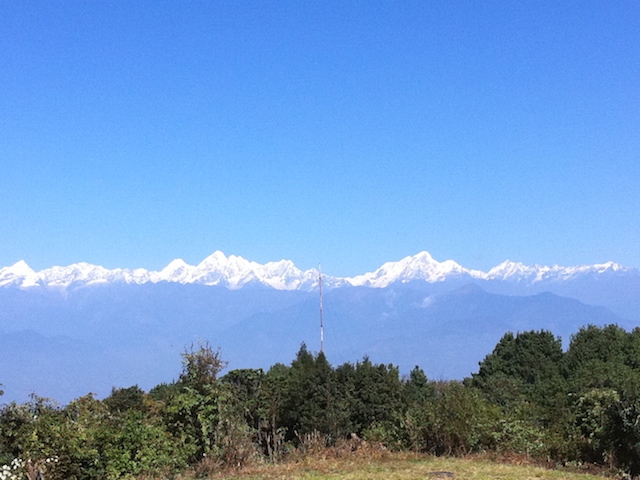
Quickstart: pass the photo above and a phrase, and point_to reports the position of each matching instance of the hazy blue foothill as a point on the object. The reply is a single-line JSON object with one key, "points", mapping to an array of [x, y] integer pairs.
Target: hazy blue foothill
{"points": [[66, 342]]}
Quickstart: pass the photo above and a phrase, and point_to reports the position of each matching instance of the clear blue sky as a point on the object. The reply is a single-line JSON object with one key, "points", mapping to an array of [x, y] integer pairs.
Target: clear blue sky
{"points": [[342, 132]]}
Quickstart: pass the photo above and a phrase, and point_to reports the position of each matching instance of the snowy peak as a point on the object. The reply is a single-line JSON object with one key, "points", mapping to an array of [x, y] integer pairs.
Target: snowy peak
{"points": [[423, 267], [509, 269], [284, 275], [232, 272], [21, 268], [17, 274], [519, 272], [178, 271], [78, 272], [235, 272], [418, 267]]}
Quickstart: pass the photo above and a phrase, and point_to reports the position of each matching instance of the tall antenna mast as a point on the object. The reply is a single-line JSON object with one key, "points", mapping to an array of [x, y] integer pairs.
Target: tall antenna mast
{"points": [[321, 321]]}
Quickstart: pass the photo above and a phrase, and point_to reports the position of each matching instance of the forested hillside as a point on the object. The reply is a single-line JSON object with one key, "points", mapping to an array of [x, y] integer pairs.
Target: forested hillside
{"points": [[528, 397]]}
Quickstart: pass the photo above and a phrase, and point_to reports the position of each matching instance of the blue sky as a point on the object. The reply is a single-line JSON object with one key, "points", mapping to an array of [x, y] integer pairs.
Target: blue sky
{"points": [[347, 133]]}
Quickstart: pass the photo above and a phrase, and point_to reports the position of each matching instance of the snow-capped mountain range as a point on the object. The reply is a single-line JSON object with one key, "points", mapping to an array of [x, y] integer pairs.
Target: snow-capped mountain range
{"points": [[235, 272], [66, 331]]}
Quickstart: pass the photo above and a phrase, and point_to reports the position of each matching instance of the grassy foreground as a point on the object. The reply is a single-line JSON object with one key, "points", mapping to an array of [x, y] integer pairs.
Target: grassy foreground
{"points": [[400, 467]]}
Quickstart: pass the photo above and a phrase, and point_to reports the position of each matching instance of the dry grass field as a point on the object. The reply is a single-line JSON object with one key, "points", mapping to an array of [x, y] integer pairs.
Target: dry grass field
{"points": [[399, 467]]}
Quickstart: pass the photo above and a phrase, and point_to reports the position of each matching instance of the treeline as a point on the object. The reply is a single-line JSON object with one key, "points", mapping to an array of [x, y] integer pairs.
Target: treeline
{"points": [[528, 397]]}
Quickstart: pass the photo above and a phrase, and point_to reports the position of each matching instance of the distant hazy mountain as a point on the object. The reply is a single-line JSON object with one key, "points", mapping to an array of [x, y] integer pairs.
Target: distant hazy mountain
{"points": [[67, 331]]}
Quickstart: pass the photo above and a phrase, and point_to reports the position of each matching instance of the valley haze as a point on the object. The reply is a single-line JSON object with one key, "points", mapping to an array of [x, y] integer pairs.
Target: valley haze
{"points": [[83, 328]]}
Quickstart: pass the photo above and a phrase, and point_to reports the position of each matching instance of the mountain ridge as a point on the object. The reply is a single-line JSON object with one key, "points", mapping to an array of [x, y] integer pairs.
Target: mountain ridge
{"points": [[235, 272]]}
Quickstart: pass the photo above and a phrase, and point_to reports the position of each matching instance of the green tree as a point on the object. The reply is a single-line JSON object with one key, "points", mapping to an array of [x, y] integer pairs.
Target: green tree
{"points": [[417, 388], [419, 396], [136, 444], [457, 421], [624, 435], [275, 388], [311, 400], [247, 395], [596, 417], [246, 390], [603, 357], [377, 397], [524, 369], [524, 376], [602, 366], [70, 436], [201, 412], [164, 391], [192, 409], [122, 400]]}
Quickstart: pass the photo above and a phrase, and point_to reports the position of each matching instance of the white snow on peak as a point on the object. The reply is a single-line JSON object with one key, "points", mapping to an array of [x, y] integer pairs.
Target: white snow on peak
{"points": [[78, 272], [21, 268], [520, 272], [418, 267], [509, 269], [174, 266], [284, 275], [177, 271], [19, 274], [232, 271], [423, 267], [235, 272]]}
